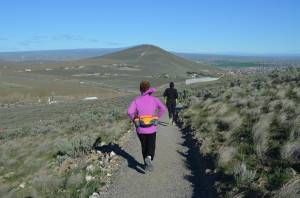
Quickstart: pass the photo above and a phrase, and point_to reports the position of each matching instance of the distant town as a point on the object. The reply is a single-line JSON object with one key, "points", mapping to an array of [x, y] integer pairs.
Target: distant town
{"points": [[262, 69]]}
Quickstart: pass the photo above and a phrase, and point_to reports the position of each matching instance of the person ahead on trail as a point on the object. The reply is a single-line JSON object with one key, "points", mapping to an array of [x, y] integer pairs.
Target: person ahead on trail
{"points": [[172, 95], [141, 109]]}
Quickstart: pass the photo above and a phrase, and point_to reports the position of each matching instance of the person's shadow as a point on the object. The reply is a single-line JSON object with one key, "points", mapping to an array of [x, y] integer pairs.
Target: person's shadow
{"points": [[132, 163]]}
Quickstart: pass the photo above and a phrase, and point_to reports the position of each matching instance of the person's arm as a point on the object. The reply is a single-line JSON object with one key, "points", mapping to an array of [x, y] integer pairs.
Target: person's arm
{"points": [[161, 108], [175, 94], [131, 110], [165, 93]]}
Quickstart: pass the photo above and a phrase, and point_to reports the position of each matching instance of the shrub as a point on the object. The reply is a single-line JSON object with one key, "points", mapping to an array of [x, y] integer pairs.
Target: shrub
{"points": [[243, 176], [76, 146], [118, 113], [185, 94]]}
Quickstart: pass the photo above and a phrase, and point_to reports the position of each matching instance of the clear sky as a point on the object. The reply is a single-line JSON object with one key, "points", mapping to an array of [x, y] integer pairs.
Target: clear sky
{"points": [[197, 26]]}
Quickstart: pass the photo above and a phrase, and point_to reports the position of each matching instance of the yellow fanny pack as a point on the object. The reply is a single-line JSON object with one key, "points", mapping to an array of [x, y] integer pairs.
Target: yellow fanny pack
{"points": [[145, 121]]}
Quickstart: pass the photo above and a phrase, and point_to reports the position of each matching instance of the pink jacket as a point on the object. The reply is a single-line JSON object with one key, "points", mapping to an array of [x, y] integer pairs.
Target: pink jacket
{"points": [[146, 105]]}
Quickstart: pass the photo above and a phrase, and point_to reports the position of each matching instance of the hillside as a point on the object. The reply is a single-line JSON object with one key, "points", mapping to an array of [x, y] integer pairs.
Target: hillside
{"points": [[153, 59], [250, 128]]}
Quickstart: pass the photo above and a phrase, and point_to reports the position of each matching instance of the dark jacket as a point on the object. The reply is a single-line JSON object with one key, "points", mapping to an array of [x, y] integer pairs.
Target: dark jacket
{"points": [[171, 94]]}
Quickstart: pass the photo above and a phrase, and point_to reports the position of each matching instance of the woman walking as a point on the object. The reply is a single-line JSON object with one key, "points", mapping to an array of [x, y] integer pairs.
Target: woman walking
{"points": [[172, 95], [145, 105]]}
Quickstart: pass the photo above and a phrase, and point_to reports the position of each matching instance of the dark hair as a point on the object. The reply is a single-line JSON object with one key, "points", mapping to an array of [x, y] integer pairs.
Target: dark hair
{"points": [[144, 86], [171, 84]]}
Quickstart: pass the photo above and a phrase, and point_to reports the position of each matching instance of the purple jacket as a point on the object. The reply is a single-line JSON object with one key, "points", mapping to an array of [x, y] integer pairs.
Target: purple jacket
{"points": [[146, 105]]}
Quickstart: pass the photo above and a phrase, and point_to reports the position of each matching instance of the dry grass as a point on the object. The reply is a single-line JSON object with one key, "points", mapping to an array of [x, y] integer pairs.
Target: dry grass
{"points": [[225, 155], [260, 133], [291, 150], [288, 105], [74, 181], [280, 91], [256, 126], [273, 104], [205, 147], [296, 90], [234, 120], [295, 132], [221, 109], [251, 112]]}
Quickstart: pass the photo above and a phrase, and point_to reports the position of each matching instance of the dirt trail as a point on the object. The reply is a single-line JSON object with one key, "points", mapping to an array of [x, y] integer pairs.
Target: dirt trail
{"points": [[175, 171]]}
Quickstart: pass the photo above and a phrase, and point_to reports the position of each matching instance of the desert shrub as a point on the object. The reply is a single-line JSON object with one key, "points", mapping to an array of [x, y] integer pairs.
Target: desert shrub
{"points": [[76, 146], [82, 122], [243, 176], [185, 94], [117, 113]]}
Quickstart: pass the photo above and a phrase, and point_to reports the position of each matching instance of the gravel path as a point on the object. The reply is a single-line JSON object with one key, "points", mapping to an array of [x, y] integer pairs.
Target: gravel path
{"points": [[175, 170]]}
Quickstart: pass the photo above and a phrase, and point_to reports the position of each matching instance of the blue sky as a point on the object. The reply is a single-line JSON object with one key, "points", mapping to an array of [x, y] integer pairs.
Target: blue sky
{"points": [[197, 26]]}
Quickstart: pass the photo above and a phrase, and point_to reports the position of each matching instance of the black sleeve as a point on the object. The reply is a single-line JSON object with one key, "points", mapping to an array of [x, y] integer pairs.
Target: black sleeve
{"points": [[175, 94], [165, 93]]}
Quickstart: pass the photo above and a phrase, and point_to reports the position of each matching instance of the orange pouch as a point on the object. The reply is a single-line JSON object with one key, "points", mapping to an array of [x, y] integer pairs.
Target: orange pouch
{"points": [[146, 121]]}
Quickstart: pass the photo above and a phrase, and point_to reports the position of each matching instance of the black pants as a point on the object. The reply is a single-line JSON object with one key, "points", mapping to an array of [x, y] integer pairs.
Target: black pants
{"points": [[148, 144], [171, 105]]}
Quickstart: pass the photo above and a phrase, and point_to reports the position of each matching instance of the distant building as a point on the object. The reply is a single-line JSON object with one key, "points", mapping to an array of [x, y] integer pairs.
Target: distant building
{"points": [[91, 98]]}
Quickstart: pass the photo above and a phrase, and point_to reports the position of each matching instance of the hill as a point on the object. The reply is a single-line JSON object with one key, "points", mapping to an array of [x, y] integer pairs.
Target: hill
{"points": [[122, 70], [153, 59]]}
